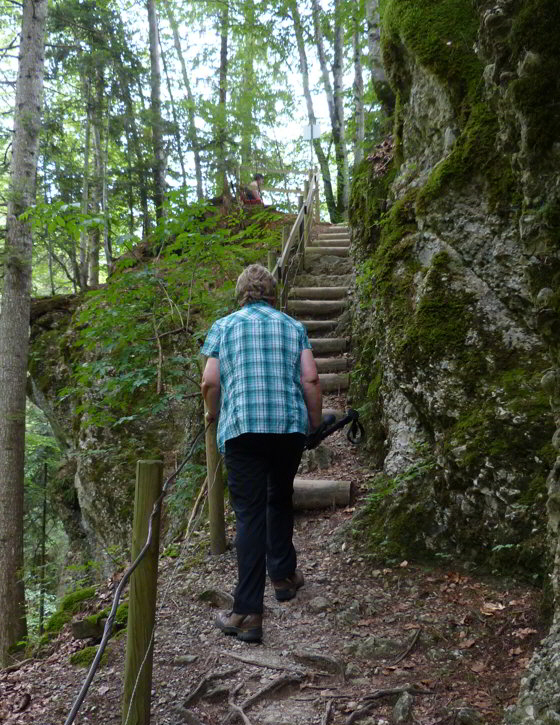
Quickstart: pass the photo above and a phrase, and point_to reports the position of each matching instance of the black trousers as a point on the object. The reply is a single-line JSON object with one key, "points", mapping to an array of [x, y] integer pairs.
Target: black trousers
{"points": [[261, 469]]}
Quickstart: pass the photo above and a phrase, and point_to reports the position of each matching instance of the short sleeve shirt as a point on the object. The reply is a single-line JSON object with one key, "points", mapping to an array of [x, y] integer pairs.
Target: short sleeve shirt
{"points": [[259, 349]]}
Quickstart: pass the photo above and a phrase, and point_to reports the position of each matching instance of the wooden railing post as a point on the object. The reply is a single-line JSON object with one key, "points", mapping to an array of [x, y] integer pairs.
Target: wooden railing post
{"points": [[215, 488], [317, 200], [142, 601]]}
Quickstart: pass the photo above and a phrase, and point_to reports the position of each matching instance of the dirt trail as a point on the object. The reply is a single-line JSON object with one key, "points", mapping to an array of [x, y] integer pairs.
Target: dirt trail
{"points": [[358, 636]]}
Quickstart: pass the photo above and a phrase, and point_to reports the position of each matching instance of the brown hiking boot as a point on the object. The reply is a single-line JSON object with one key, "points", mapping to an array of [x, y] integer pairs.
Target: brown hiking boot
{"points": [[285, 589], [247, 627]]}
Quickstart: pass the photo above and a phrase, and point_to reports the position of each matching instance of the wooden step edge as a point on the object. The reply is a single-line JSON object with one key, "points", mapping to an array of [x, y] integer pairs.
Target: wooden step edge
{"points": [[318, 493]]}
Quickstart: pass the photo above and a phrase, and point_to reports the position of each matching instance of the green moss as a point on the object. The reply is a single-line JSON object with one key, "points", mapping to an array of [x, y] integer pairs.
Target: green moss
{"points": [[474, 155], [396, 517], [121, 615], [439, 325], [441, 35], [536, 28], [70, 605], [71, 602], [368, 199], [57, 621], [486, 436], [85, 656]]}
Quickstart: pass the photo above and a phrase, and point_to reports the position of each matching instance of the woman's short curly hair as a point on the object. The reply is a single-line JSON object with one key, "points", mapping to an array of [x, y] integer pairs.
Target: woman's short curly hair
{"points": [[254, 284]]}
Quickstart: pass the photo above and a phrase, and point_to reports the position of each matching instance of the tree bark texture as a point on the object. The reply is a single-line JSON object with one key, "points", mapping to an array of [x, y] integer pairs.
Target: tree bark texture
{"points": [[339, 131], [304, 68], [334, 103], [82, 271], [157, 131], [191, 131], [14, 322], [358, 93], [221, 182]]}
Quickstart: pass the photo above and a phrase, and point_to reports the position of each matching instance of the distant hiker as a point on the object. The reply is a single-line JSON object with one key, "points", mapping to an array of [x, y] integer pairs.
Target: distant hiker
{"points": [[261, 380], [253, 190]]}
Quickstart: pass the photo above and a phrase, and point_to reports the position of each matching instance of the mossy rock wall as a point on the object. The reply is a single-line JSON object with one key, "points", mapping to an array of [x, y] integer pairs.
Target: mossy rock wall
{"points": [[94, 488], [454, 230]]}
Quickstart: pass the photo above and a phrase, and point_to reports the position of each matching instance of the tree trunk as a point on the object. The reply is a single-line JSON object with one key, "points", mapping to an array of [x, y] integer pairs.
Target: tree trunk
{"points": [[246, 101], [341, 154], [191, 132], [358, 92], [98, 176], [157, 130], [14, 322], [221, 182], [107, 246], [381, 87], [176, 123], [321, 157], [82, 271], [334, 102]]}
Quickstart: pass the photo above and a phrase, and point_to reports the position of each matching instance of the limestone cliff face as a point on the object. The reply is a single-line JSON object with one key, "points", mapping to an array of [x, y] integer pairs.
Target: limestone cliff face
{"points": [[457, 229], [454, 243]]}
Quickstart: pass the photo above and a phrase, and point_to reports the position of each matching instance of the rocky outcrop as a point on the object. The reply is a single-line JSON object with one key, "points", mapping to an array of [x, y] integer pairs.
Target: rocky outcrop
{"points": [[447, 238], [456, 233]]}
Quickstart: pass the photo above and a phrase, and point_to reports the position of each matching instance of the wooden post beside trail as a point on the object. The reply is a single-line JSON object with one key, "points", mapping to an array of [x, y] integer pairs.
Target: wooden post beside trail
{"points": [[215, 488], [142, 601]]}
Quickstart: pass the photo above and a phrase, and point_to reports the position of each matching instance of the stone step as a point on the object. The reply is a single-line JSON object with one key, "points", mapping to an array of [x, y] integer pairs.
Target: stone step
{"points": [[336, 230], [326, 345], [315, 307], [323, 280], [332, 364], [333, 382], [328, 264], [326, 242], [322, 326], [324, 251], [319, 293]]}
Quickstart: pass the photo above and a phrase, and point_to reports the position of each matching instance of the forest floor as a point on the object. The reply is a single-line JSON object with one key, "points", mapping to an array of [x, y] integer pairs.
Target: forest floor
{"points": [[361, 642]]}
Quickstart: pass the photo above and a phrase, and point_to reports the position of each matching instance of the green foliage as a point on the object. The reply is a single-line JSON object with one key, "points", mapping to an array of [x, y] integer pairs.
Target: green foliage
{"points": [[42, 456], [84, 657], [122, 351], [70, 605]]}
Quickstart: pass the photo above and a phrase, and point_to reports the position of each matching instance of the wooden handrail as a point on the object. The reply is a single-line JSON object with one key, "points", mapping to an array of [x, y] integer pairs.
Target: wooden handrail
{"points": [[306, 209]]}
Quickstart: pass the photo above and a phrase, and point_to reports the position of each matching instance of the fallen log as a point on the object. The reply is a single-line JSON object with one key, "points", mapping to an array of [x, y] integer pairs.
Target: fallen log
{"points": [[320, 494]]}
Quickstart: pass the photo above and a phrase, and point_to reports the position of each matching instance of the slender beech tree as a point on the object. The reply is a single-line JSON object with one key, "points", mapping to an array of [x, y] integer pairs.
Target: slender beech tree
{"points": [[304, 69], [156, 118], [82, 269], [14, 321], [221, 180], [358, 92], [335, 101], [192, 134]]}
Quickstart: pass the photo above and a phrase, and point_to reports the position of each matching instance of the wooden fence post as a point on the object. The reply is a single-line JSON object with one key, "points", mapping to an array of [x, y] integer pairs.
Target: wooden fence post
{"points": [[142, 601], [317, 200], [215, 488]]}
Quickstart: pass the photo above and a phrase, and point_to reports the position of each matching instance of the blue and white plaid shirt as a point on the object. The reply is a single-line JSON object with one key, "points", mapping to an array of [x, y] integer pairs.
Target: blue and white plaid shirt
{"points": [[259, 349]]}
